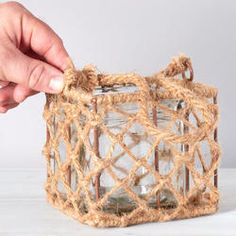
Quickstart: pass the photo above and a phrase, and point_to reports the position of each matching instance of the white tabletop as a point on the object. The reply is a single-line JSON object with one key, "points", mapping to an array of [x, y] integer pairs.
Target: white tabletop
{"points": [[25, 211]]}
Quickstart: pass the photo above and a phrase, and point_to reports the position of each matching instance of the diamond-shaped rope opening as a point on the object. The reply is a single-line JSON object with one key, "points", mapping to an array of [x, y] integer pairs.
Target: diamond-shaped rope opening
{"points": [[127, 184], [119, 203]]}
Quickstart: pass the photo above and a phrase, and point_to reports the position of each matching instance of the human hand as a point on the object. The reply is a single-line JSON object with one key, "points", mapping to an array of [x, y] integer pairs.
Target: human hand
{"points": [[32, 56]]}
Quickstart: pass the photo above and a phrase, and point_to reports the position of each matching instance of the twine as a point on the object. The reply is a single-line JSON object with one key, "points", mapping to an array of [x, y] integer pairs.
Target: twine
{"points": [[77, 100]]}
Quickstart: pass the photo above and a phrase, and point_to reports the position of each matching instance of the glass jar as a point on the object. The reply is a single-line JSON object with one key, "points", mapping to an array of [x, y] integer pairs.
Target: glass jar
{"points": [[134, 138]]}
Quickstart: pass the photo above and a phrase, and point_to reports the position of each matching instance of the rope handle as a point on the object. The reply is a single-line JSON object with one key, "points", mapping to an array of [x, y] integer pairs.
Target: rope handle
{"points": [[88, 78], [179, 65]]}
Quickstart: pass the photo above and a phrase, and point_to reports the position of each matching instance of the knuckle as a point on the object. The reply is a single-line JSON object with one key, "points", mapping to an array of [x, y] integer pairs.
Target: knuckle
{"points": [[60, 41], [36, 76], [11, 14], [11, 5], [8, 9], [56, 49]]}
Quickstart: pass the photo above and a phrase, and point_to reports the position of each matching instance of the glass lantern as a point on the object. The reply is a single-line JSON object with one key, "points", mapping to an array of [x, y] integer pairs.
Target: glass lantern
{"points": [[138, 141]]}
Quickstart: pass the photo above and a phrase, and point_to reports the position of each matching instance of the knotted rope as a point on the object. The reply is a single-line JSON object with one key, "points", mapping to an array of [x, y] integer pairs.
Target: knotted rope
{"points": [[74, 114]]}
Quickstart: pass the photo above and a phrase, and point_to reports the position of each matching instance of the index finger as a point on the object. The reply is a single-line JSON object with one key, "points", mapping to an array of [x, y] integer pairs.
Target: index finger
{"points": [[39, 37]]}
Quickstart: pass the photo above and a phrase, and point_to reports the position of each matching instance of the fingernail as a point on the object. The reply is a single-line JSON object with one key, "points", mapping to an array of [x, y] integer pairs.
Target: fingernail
{"points": [[56, 84]]}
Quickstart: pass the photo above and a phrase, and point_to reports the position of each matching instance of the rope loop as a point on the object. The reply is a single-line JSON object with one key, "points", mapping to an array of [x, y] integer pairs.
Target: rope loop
{"points": [[179, 65]]}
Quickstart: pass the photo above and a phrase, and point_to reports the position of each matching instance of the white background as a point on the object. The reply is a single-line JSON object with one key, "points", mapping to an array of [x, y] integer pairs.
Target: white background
{"points": [[132, 35]]}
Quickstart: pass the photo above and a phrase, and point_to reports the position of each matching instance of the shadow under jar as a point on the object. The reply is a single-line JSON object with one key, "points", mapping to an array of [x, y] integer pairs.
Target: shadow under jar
{"points": [[135, 144]]}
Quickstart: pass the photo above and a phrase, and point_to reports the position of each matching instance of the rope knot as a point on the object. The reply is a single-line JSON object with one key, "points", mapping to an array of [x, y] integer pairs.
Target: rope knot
{"points": [[85, 79]]}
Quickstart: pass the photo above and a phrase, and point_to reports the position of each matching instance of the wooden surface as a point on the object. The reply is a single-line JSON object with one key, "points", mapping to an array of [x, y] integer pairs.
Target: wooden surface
{"points": [[25, 211]]}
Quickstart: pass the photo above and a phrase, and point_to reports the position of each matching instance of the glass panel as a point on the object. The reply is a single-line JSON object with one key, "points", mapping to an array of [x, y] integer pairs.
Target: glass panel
{"points": [[135, 144]]}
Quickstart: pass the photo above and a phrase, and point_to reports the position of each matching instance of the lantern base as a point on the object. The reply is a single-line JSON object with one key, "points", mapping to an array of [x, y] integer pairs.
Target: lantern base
{"points": [[101, 218]]}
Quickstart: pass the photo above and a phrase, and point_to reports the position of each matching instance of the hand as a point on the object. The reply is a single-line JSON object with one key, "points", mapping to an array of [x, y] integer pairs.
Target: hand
{"points": [[32, 56]]}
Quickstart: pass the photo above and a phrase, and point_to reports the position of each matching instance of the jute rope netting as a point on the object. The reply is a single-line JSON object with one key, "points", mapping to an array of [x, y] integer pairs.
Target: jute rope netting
{"points": [[64, 111]]}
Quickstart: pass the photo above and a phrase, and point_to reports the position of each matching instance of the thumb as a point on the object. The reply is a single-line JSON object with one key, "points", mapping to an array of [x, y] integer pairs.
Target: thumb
{"points": [[32, 73]]}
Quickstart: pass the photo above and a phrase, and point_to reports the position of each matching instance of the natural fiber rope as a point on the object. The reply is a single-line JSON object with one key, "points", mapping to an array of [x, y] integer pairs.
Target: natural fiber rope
{"points": [[64, 110]]}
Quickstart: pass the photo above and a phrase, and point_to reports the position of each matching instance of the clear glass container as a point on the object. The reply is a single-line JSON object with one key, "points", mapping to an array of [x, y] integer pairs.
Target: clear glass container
{"points": [[139, 143]]}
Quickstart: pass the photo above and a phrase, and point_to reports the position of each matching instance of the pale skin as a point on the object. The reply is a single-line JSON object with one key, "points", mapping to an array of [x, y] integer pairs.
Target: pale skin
{"points": [[32, 56]]}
